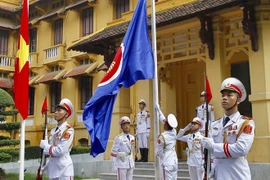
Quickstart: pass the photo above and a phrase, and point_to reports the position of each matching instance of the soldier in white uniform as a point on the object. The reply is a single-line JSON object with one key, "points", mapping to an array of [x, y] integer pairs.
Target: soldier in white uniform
{"points": [[121, 152], [60, 166], [232, 135], [195, 150], [166, 146], [201, 112], [143, 130]]}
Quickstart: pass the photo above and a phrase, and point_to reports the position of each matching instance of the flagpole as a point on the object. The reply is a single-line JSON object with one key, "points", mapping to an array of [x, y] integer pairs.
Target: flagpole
{"points": [[155, 86], [22, 143]]}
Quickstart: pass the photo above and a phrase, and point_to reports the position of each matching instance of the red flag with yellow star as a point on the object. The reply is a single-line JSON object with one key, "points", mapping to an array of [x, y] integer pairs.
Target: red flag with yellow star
{"points": [[21, 75]]}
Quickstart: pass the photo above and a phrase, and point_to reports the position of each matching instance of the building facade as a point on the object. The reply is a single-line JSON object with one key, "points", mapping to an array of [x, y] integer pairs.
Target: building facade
{"points": [[72, 44]]}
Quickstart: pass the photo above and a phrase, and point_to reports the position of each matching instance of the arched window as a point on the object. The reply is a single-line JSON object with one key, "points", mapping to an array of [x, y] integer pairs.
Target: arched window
{"points": [[27, 143], [83, 142]]}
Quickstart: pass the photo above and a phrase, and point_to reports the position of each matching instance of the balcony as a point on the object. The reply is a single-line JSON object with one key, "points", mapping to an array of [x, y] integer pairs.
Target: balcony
{"points": [[79, 117], [7, 63], [54, 53], [33, 59], [29, 122]]}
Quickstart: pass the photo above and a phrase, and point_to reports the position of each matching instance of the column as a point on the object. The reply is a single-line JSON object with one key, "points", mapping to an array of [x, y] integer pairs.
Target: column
{"points": [[260, 88]]}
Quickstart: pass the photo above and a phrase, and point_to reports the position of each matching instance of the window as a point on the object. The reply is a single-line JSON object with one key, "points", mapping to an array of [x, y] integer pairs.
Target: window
{"points": [[31, 101], [121, 7], [55, 68], [88, 24], [55, 94], [4, 42], [85, 84], [33, 40], [58, 31], [85, 61], [83, 142]]}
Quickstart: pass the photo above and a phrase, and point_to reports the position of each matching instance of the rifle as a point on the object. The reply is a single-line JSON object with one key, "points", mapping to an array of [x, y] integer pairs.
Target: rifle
{"points": [[206, 151], [136, 150], [43, 158]]}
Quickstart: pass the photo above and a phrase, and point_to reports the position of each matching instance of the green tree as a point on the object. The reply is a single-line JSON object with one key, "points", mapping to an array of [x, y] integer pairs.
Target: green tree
{"points": [[7, 109]]}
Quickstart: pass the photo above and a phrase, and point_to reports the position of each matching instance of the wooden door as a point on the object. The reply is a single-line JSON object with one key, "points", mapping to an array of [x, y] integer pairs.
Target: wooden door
{"points": [[189, 84]]}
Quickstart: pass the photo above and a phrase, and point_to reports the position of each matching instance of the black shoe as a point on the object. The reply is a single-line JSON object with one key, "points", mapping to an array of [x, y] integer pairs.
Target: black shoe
{"points": [[142, 155]]}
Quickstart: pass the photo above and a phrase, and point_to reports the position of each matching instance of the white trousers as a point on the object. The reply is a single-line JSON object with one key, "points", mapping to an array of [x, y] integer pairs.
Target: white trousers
{"points": [[169, 172], [124, 174], [196, 173], [62, 178], [143, 140]]}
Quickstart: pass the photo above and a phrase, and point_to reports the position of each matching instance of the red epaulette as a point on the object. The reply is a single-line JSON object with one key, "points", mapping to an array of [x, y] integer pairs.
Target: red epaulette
{"points": [[68, 126], [247, 118]]}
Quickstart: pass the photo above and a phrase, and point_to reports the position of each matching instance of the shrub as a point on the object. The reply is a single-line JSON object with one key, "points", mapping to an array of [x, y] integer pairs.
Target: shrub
{"points": [[14, 152], [4, 138], [79, 150], [4, 157], [9, 142], [2, 174], [10, 126], [32, 152]]}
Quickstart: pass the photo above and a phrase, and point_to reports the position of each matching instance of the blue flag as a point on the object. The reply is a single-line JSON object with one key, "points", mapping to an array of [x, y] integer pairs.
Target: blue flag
{"points": [[133, 61]]}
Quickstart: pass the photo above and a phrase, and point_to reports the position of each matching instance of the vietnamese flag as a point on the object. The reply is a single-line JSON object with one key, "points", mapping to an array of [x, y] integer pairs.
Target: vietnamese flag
{"points": [[208, 90], [44, 106], [21, 75]]}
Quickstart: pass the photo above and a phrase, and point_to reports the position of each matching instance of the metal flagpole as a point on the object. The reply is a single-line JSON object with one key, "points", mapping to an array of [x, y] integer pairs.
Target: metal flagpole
{"points": [[155, 87], [22, 142]]}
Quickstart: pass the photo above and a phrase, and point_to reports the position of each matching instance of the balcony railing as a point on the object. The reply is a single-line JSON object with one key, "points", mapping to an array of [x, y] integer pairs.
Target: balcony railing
{"points": [[6, 60], [33, 59], [51, 120], [54, 53], [29, 122], [7, 63], [79, 117]]}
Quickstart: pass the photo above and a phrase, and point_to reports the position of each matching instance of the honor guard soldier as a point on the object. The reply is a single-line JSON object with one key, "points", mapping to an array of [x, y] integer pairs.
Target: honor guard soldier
{"points": [[165, 148], [60, 166], [195, 150], [121, 152], [201, 111], [143, 130], [232, 135]]}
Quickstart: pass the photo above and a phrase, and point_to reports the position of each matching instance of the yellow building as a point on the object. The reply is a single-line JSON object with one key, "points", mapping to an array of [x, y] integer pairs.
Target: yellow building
{"points": [[73, 42]]}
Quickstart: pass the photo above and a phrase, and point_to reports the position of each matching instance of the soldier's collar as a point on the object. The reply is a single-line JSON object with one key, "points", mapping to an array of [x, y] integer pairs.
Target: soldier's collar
{"points": [[62, 126], [233, 117]]}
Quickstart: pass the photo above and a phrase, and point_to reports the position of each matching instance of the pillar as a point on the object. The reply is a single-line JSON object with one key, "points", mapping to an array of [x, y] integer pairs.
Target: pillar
{"points": [[260, 88]]}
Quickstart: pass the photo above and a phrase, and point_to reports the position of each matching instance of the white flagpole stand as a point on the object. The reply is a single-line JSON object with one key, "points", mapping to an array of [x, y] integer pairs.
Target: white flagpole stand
{"points": [[155, 87], [22, 142]]}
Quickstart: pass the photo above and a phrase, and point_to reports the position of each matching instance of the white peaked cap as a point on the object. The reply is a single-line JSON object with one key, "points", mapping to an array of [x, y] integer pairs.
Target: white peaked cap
{"points": [[203, 93], [123, 120], [142, 101], [198, 121], [234, 84], [172, 121], [67, 104]]}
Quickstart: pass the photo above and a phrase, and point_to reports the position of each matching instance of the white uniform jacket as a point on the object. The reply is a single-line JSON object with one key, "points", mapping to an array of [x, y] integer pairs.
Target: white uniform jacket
{"points": [[60, 163], [121, 152], [195, 150], [201, 113], [231, 147], [143, 122], [166, 148]]}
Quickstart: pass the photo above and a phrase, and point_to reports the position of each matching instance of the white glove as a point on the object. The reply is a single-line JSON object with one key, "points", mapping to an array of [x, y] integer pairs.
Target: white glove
{"points": [[188, 127], [43, 144], [212, 173], [147, 134], [208, 143], [161, 115]]}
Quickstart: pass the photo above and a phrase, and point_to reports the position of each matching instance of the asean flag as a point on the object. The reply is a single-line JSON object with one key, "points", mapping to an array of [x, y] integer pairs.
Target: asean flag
{"points": [[21, 75], [133, 61]]}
